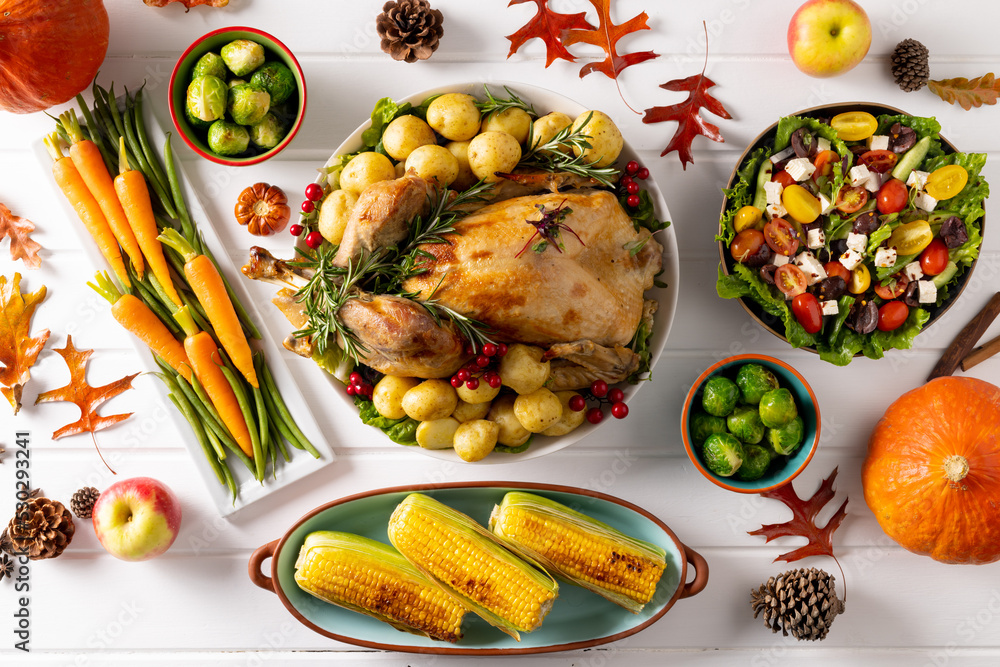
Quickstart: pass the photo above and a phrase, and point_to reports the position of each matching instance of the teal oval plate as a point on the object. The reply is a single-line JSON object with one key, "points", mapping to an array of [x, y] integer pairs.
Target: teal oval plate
{"points": [[579, 619]]}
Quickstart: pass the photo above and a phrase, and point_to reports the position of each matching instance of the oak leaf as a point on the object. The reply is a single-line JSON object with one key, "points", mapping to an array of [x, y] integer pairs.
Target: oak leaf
{"points": [[22, 246], [968, 93], [606, 36], [803, 521], [550, 27], [18, 350]]}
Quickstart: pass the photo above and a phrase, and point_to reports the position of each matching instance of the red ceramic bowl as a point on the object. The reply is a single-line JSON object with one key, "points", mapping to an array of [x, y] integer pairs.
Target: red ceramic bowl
{"points": [[181, 76]]}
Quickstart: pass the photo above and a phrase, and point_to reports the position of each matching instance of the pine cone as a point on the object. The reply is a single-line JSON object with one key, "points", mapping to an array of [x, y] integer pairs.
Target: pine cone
{"points": [[801, 602], [82, 502], [42, 529], [909, 65], [410, 29]]}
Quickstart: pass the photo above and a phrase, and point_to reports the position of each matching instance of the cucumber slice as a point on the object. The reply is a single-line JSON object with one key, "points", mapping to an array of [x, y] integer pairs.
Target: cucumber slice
{"points": [[763, 176], [911, 159], [943, 278]]}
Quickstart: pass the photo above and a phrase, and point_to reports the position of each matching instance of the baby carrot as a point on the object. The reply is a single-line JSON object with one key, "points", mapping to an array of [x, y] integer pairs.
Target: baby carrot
{"points": [[89, 162], [201, 350]]}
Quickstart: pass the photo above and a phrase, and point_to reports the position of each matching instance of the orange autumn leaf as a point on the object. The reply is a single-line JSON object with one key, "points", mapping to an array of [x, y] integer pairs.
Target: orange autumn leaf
{"points": [[21, 245], [18, 350], [968, 93], [606, 36]]}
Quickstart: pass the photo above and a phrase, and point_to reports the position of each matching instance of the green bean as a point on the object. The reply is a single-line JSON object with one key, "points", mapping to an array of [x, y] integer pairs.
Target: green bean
{"points": [[187, 226], [244, 403], [265, 432], [144, 293], [200, 434], [147, 149], [212, 418], [115, 113], [220, 453], [197, 313], [279, 441], [220, 431], [180, 400], [286, 416]]}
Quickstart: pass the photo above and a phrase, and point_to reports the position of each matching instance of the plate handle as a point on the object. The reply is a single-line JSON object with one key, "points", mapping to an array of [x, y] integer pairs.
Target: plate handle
{"points": [[257, 559], [694, 559]]}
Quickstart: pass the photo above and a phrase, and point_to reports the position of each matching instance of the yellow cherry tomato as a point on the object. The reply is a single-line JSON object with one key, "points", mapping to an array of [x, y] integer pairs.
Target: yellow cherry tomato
{"points": [[861, 280], [800, 204], [946, 182], [747, 217], [854, 125], [911, 238]]}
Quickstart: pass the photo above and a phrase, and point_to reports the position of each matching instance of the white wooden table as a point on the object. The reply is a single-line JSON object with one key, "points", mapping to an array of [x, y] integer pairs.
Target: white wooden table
{"points": [[195, 605]]}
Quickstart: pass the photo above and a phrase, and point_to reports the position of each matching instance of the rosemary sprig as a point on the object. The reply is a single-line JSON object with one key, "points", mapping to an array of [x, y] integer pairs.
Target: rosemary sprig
{"points": [[474, 331], [499, 104], [559, 154]]}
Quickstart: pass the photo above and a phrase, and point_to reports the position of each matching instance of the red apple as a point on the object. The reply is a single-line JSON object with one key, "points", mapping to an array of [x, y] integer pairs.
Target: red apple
{"points": [[137, 518], [829, 37]]}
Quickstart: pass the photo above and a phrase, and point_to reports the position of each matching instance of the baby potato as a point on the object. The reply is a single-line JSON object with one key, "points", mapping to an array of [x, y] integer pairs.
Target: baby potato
{"points": [[483, 393], [433, 163], [475, 439], [522, 368], [364, 169], [569, 419], [548, 126], [334, 213], [404, 135], [437, 433], [429, 400], [388, 395], [515, 122], [466, 412], [491, 153], [454, 116], [605, 139], [538, 410], [511, 433], [465, 178]]}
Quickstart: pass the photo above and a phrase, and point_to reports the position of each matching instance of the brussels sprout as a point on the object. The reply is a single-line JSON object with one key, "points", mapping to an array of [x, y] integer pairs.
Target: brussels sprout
{"points": [[276, 79], [268, 132], [210, 64], [744, 422], [719, 397], [704, 425], [723, 454], [754, 381], [242, 56], [755, 464], [777, 408], [195, 122], [248, 104], [206, 98], [787, 439], [226, 138]]}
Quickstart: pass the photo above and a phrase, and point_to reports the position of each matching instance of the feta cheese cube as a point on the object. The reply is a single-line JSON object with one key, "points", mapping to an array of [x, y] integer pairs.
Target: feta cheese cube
{"points": [[822, 144], [926, 291], [917, 179], [830, 307], [800, 168], [773, 191], [815, 238], [913, 271], [780, 260], [858, 175], [857, 242], [811, 267], [776, 210], [875, 181], [878, 142], [851, 259], [885, 257], [782, 155], [925, 201], [825, 204]]}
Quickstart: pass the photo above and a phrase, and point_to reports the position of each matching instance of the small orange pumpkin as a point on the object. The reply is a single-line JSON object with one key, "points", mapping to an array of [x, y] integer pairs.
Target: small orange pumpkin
{"points": [[263, 209], [932, 474]]}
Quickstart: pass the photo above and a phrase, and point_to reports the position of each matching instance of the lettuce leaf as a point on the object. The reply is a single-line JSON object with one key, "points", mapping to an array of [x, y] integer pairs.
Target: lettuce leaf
{"points": [[385, 111], [741, 194], [401, 431], [901, 338]]}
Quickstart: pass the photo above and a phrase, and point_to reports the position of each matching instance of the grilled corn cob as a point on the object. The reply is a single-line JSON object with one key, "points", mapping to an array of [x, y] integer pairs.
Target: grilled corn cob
{"points": [[580, 549], [369, 577], [445, 544]]}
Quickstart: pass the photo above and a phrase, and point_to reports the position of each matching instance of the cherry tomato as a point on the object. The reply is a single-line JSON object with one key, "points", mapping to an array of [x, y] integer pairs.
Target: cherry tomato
{"points": [[808, 312], [824, 163], [746, 244], [854, 125], [893, 288], [314, 192], [892, 196], [934, 258], [783, 177], [780, 235], [851, 199], [892, 315], [861, 280], [911, 238], [314, 240], [790, 280], [880, 161], [946, 182], [837, 269], [800, 203], [747, 217], [308, 206]]}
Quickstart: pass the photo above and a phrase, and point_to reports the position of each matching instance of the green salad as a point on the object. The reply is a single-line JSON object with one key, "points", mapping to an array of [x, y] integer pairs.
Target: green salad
{"points": [[848, 234]]}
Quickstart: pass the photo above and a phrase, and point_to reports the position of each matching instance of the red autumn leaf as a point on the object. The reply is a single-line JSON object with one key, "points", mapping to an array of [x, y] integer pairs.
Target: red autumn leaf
{"points": [[975, 93], [548, 26], [21, 245], [803, 522], [606, 36]]}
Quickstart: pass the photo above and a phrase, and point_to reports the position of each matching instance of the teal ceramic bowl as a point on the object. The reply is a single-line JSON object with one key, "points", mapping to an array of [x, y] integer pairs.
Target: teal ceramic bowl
{"points": [[181, 77], [579, 618], [783, 469]]}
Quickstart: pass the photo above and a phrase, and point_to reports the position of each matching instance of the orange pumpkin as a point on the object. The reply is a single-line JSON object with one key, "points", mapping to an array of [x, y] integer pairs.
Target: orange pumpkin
{"points": [[50, 50], [932, 475]]}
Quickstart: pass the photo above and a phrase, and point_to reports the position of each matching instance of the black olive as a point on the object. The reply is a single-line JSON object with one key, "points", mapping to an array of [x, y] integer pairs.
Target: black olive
{"points": [[901, 138], [838, 247], [803, 143], [859, 149], [953, 232], [911, 297], [864, 316], [759, 258], [767, 273], [866, 223], [831, 288]]}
